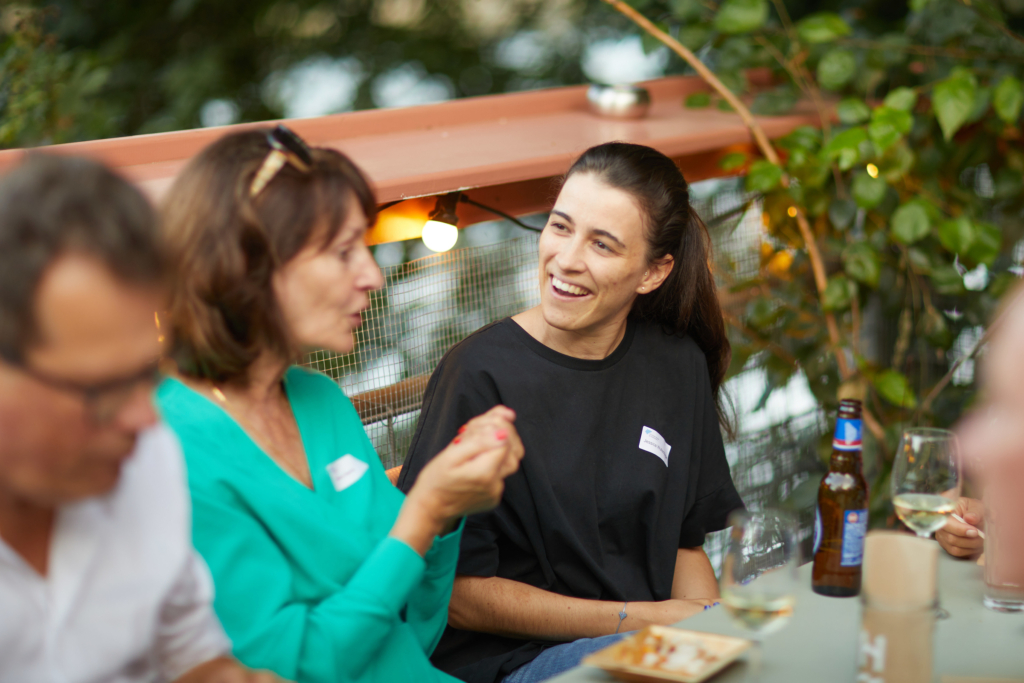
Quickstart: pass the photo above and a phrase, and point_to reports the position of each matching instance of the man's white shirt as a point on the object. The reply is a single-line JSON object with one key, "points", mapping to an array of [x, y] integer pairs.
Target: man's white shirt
{"points": [[126, 598]]}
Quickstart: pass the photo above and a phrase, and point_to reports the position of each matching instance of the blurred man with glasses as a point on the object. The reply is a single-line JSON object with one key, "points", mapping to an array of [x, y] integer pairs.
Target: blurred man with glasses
{"points": [[98, 578]]}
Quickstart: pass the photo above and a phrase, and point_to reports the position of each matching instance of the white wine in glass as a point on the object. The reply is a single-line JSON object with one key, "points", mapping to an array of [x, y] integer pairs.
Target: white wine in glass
{"points": [[761, 614], [924, 513], [759, 576], [926, 479]]}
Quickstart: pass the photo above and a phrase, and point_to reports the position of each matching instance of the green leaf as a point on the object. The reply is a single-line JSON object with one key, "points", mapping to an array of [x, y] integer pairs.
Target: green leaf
{"points": [[741, 16], [902, 99], [836, 68], [894, 388], [735, 81], [1008, 99], [868, 192], [764, 176], [845, 147], [987, 242], [897, 162], [839, 292], [861, 262], [686, 10], [982, 100], [947, 280], [888, 125], [812, 171], [823, 27], [724, 106], [852, 111], [841, 213], [774, 102], [730, 162], [648, 42], [697, 100], [806, 138], [953, 101], [910, 223], [695, 36], [762, 313], [957, 235]]}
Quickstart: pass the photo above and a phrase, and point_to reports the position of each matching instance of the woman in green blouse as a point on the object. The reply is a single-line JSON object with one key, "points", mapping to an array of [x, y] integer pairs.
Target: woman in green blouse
{"points": [[323, 570]]}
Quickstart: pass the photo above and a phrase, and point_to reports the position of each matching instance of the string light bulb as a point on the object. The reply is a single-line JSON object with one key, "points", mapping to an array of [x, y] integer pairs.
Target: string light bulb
{"points": [[440, 232], [872, 170]]}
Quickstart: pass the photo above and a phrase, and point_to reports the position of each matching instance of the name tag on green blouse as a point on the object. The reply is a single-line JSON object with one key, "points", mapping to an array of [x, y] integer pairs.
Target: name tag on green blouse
{"points": [[346, 471]]}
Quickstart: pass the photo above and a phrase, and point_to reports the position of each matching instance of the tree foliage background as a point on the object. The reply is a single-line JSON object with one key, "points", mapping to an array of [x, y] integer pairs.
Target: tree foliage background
{"points": [[913, 187], [84, 69], [912, 191]]}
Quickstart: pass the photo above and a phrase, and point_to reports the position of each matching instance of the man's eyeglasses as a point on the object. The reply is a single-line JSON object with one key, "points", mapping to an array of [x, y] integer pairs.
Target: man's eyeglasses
{"points": [[104, 400], [285, 148]]}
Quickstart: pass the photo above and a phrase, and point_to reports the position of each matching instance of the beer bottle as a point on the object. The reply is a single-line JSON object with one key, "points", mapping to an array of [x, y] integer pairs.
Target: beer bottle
{"points": [[842, 517]]}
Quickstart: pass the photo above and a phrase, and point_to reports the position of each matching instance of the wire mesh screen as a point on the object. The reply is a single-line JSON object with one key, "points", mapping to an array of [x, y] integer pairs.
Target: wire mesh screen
{"points": [[429, 304], [425, 307]]}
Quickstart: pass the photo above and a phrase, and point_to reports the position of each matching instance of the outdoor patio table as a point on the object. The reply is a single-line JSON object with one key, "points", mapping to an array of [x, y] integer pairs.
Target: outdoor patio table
{"points": [[819, 644]]}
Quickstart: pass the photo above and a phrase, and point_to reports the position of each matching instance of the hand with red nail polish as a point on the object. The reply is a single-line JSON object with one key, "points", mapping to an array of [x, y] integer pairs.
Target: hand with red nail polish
{"points": [[466, 477]]}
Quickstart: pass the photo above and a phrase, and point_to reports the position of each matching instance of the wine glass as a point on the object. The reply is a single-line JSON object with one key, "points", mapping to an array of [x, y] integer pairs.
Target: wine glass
{"points": [[926, 479], [759, 576]]}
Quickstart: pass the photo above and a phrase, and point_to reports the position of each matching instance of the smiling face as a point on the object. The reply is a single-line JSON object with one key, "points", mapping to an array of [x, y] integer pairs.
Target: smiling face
{"points": [[593, 258], [322, 291]]}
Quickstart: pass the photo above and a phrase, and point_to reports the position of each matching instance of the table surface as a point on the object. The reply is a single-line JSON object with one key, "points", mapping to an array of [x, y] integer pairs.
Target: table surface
{"points": [[820, 641]]}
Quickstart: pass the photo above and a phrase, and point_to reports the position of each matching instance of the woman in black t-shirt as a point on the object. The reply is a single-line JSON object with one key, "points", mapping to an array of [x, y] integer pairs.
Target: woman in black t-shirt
{"points": [[615, 378]]}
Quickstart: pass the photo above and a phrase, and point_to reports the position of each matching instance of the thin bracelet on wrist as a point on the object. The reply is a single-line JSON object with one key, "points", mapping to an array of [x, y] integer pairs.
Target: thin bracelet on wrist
{"points": [[622, 615]]}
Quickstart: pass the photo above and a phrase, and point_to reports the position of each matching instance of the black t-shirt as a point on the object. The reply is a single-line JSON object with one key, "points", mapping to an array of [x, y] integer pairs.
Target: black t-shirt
{"points": [[624, 464]]}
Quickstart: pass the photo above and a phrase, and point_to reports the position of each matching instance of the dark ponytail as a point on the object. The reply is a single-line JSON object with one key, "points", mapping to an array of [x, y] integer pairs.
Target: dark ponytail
{"points": [[687, 302]]}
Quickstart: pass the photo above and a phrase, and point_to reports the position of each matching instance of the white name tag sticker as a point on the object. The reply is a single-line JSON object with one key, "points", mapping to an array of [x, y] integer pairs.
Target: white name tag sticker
{"points": [[653, 442], [346, 471]]}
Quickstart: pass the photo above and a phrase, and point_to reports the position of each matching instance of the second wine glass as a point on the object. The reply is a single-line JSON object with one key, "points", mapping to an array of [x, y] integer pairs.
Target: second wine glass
{"points": [[926, 479], [759, 575]]}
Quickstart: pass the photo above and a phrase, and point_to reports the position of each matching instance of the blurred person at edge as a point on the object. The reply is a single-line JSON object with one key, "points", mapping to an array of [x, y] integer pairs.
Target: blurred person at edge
{"points": [[992, 438], [98, 577], [324, 570]]}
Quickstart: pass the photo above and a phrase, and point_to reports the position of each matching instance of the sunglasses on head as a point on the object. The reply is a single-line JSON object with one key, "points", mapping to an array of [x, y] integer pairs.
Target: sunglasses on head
{"points": [[285, 148]]}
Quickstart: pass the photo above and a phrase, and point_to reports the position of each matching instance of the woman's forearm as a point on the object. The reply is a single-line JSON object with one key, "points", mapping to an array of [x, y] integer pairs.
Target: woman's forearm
{"points": [[694, 577], [517, 610]]}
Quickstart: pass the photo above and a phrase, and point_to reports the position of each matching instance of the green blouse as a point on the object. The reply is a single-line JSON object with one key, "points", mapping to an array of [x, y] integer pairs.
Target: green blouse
{"points": [[308, 582]]}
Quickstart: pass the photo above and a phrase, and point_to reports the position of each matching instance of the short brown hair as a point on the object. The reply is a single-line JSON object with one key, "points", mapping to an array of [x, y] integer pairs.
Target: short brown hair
{"points": [[226, 246], [51, 205]]}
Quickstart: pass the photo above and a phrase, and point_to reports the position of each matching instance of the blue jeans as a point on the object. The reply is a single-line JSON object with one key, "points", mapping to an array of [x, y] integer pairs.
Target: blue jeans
{"points": [[559, 658]]}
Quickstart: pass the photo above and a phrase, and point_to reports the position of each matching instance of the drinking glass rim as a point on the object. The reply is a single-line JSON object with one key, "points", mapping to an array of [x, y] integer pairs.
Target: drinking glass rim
{"points": [[929, 433], [782, 515]]}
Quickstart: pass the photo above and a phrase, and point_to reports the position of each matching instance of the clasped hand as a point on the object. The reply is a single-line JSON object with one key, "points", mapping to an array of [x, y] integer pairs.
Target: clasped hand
{"points": [[466, 477]]}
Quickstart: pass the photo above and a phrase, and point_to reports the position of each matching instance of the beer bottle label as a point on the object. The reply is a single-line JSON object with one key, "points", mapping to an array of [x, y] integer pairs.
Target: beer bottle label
{"points": [[848, 435], [855, 525]]}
